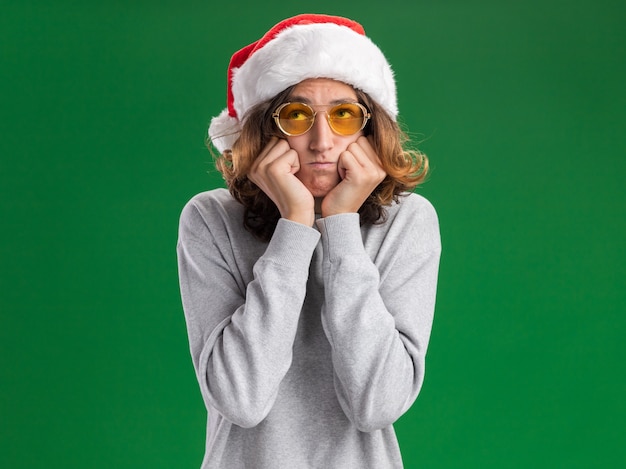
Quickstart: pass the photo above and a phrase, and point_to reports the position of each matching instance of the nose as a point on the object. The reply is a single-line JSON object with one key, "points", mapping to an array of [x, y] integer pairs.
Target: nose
{"points": [[321, 134]]}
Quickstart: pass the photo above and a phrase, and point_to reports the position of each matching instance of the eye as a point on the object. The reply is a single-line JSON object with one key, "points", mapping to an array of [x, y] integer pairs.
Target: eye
{"points": [[346, 111], [297, 115], [296, 112]]}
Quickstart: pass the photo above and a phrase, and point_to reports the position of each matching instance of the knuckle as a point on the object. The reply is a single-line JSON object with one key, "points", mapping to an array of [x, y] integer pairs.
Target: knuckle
{"points": [[273, 170]]}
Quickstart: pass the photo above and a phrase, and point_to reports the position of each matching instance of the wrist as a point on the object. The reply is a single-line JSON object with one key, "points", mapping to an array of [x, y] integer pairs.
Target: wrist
{"points": [[328, 210], [305, 217]]}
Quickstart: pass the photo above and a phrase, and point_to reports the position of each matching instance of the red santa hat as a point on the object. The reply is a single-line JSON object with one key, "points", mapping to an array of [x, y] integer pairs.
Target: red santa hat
{"points": [[301, 47]]}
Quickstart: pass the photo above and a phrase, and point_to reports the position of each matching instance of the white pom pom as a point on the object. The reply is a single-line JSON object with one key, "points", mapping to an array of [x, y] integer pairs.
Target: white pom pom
{"points": [[224, 131]]}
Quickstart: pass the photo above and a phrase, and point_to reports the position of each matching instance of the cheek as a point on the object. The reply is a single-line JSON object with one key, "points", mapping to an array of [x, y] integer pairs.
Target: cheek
{"points": [[299, 143]]}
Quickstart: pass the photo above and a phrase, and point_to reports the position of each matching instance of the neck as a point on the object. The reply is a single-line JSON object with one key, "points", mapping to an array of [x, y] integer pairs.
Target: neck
{"points": [[318, 205]]}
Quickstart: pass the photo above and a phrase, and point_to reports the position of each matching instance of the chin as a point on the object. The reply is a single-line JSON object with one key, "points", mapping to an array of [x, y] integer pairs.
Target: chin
{"points": [[321, 186], [319, 191]]}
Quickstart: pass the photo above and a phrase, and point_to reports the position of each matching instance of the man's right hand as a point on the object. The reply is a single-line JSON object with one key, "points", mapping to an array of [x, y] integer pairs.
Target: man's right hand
{"points": [[274, 171]]}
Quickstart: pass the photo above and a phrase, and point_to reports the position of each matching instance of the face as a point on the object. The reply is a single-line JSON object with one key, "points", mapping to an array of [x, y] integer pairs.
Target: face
{"points": [[320, 147]]}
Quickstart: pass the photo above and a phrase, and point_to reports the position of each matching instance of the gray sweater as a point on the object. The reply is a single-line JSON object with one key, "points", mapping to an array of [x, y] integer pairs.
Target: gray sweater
{"points": [[309, 347]]}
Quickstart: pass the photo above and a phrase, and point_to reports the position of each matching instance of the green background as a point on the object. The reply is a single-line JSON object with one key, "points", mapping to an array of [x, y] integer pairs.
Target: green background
{"points": [[521, 109]]}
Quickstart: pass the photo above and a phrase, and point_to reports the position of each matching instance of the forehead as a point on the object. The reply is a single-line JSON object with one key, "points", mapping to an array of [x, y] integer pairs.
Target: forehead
{"points": [[323, 90]]}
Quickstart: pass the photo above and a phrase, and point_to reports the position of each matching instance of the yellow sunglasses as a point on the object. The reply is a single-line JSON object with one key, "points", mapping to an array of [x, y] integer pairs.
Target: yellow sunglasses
{"points": [[344, 119]]}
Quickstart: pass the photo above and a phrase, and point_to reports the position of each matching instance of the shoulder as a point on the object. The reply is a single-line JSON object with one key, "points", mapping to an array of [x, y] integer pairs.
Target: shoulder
{"points": [[212, 209], [212, 199], [213, 202], [412, 207], [413, 219]]}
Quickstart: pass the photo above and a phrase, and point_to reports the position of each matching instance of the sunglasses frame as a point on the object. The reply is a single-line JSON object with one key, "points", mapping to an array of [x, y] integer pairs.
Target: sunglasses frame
{"points": [[367, 115]]}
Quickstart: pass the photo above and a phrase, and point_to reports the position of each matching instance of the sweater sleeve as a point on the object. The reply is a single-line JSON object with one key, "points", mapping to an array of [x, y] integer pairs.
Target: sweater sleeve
{"points": [[379, 325], [241, 337]]}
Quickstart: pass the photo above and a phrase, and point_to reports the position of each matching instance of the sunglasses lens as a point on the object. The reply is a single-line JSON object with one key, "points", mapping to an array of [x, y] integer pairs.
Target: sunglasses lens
{"points": [[295, 118], [346, 118]]}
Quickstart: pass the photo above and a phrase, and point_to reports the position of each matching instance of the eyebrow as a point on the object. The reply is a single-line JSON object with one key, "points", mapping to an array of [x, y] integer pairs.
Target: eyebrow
{"points": [[302, 99]]}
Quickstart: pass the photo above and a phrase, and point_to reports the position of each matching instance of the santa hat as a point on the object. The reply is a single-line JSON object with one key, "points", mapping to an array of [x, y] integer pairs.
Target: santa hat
{"points": [[301, 47]]}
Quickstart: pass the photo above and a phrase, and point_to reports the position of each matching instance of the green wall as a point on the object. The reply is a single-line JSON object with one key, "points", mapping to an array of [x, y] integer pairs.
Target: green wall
{"points": [[521, 108]]}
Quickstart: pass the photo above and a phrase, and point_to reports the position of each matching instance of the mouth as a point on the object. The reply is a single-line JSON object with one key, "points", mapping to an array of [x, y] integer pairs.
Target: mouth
{"points": [[322, 165]]}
